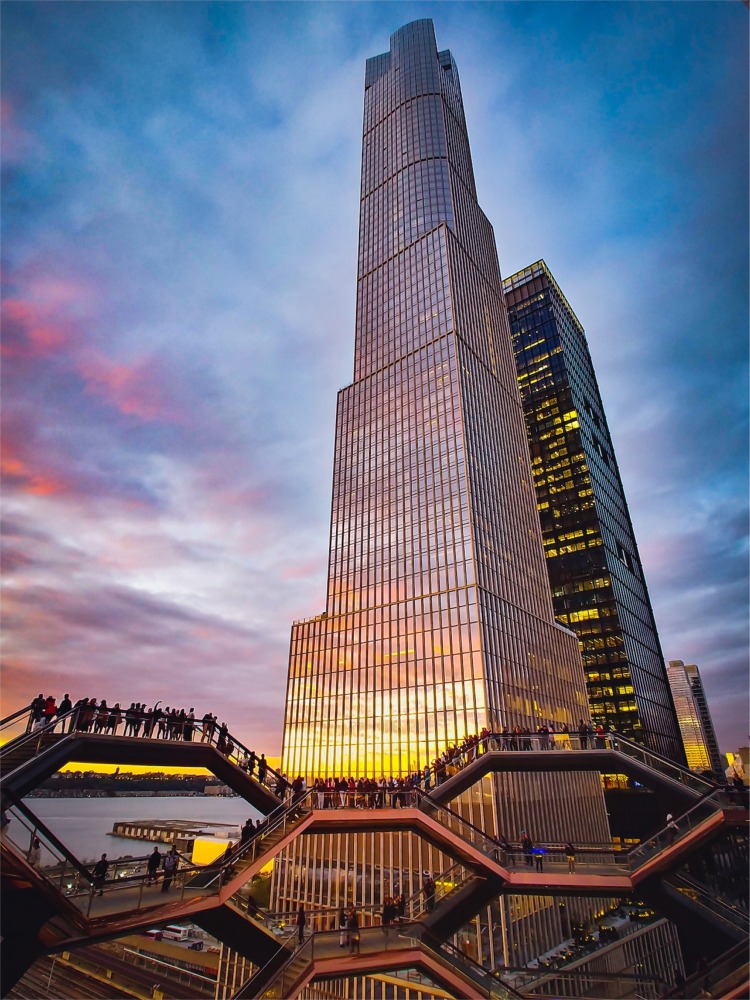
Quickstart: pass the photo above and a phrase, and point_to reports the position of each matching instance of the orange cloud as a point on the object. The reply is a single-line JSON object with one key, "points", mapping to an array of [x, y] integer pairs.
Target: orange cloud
{"points": [[18, 473]]}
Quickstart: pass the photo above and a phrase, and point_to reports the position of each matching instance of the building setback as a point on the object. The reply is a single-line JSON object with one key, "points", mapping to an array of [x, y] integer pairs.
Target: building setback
{"points": [[696, 726], [595, 572]]}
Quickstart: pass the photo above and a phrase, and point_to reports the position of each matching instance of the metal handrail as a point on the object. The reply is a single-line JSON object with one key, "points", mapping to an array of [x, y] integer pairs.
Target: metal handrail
{"points": [[412, 934], [416, 904], [273, 821], [523, 742], [32, 822], [428, 805], [237, 756], [630, 748], [669, 835], [69, 864], [718, 904], [258, 975], [35, 734], [213, 740], [10, 718], [473, 970]]}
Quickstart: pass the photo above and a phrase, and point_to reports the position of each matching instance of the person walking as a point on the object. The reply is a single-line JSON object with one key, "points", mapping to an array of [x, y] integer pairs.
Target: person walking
{"points": [[153, 866], [100, 873], [148, 722], [539, 858], [570, 855], [34, 856], [62, 709], [343, 935], [189, 726], [352, 927], [115, 718], [583, 734], [429, 893], [50, 711], [389, 914], [262, 769], [169, 864], [527, 846], [129, 719], [301, 921], [672, 828], [247, 833], [36, 712], [101, 722]]}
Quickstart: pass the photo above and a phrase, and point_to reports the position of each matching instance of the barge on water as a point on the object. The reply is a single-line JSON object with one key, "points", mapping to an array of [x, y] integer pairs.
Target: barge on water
{"points": [[178, 832]]}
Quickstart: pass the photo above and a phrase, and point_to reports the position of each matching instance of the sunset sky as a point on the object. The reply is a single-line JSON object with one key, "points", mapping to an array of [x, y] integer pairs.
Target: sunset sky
{"points": [[179, 219]]}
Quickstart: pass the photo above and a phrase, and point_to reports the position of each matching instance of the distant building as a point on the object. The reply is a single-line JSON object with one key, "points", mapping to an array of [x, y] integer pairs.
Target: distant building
{"points": [[595, 572], [696, 727]]}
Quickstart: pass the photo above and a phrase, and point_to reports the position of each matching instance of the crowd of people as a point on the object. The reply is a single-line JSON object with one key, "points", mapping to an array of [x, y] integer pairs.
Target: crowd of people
{"points": [[89, 715], [401, 792], [138, 720]]}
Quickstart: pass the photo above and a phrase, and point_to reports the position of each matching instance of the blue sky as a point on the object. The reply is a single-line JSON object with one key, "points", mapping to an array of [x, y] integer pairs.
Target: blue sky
{"points": [[179, 221]]}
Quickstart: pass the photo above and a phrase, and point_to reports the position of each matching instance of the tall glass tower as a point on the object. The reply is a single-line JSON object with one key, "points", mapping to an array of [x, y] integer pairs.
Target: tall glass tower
{"points": [[438, 618], [696, 726], [597, 580]]}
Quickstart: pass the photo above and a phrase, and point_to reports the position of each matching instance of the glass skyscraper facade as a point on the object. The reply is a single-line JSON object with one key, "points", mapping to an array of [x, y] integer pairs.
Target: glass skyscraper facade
{"points": [[438, 618], [696, 726], [595, 572]]}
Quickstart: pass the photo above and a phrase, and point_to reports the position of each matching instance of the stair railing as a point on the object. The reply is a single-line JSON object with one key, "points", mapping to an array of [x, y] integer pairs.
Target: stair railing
{"points": [[75, 880], [483, 977], [35, 739], [588, 856], [705, 896], [68, 876], [16, 715], [674, 832], [454, 878], [277, 821], [243, 757], [239, 754], [655, 761], [523, 742]]}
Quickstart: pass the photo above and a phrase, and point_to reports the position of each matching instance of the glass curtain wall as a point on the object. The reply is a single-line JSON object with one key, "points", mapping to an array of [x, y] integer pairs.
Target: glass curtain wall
{"points": [[438, 618], [598, 586]]}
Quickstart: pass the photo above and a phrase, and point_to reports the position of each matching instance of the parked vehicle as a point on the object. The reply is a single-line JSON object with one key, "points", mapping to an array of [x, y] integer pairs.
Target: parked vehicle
{"points": [[175, 932]]}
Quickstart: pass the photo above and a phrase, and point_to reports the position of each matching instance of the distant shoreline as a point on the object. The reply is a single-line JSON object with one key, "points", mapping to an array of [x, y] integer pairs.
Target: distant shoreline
{"points": [[141, 794]]}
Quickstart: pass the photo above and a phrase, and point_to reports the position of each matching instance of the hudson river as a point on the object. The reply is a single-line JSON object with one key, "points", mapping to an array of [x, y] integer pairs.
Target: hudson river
{"points": [[83, 825]]}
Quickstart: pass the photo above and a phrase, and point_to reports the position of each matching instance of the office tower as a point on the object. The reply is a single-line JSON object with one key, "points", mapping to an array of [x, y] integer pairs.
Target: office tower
{"points": [[438, 618], [597, 581], [696, 727]]}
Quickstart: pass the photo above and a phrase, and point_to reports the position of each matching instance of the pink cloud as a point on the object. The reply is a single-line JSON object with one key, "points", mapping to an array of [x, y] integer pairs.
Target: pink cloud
{"points": [[137, 389], [30, 332], [43, 321], [16, 140], [312, 567]]}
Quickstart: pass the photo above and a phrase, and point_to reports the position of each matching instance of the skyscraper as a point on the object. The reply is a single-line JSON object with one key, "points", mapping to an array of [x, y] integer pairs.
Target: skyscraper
{"points": [[696, 726], [595, 572], [438, 618]]}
